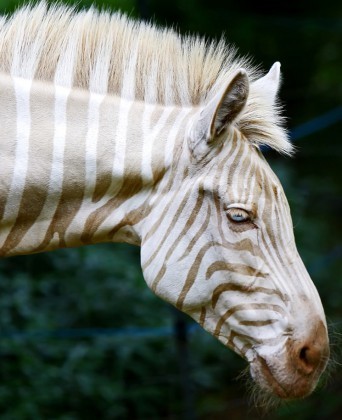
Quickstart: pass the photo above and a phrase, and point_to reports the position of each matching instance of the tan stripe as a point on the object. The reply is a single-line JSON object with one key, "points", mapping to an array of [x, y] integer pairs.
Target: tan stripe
{"points": [[242, 337], [182, 234], [192, 274], [244, 350], [249, 339], [246, 307], [108, 122], [202, 316], [191, 277], [268, 217], [158, 149], [230, 287], [241, 170], [74, 171], [245, 245], [270, 220], [200, 232], [217, 200], [133, 155], [131, 184], [234, 268], [249, 194], [284, 245], [131, 218], [258, 323], [239, 146], [161, 221], [97, 218], [39, 164], [220, 216]]}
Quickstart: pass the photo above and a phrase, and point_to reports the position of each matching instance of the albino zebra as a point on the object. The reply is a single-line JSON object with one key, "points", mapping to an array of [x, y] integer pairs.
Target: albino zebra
{"points": [[113, 130]]}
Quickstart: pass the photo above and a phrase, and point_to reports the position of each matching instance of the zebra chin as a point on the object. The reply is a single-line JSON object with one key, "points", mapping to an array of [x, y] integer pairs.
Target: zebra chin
{"points": [[293, 372]]}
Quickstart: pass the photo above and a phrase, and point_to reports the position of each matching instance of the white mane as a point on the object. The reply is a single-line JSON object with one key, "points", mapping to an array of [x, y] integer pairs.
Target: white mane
{"points": [[98, 50]]}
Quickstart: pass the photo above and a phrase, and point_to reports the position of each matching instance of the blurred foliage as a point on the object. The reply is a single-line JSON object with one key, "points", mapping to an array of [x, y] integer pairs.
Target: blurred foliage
{"points": [[80, 333]]}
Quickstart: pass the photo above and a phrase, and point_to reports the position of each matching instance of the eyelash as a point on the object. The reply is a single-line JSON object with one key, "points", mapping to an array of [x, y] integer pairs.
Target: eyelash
{"points": [[238, 216], [240, 225]]}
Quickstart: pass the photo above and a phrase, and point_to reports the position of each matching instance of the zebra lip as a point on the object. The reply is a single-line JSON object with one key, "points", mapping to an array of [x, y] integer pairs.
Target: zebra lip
{"points": [[298, 386], [270, 379]]}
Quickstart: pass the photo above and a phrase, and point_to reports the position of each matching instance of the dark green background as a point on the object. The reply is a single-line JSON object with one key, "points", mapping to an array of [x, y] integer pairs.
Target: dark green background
{"points": [[81, 335]]}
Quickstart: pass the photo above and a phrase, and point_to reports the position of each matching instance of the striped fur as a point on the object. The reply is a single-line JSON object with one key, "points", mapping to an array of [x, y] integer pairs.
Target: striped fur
{"points": [[119, 131]]}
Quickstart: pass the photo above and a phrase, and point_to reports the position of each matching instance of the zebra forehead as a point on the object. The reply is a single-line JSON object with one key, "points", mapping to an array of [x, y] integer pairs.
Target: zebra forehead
{"points": [[240, 163], [109, 53]]}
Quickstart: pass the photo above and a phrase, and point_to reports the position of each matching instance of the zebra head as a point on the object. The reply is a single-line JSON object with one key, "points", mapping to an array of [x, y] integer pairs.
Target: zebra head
{"points": [[219, 243]]}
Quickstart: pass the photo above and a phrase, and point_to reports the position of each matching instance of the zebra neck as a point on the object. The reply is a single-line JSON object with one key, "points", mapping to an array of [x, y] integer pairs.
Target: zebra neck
{"points": [[77, 167]]}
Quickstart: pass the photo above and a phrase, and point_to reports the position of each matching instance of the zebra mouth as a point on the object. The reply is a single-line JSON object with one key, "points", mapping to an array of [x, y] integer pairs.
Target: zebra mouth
{"points": [[292, 386], [269, 382], [294, 370]]}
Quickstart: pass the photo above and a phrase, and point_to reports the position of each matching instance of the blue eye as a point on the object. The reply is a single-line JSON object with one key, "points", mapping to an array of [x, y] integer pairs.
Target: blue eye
{"points": [[238, 218], [238, 215]]}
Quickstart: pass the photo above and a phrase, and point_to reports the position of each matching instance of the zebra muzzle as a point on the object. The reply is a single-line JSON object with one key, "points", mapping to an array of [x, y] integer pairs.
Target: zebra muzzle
{"points": [[295, 372]]}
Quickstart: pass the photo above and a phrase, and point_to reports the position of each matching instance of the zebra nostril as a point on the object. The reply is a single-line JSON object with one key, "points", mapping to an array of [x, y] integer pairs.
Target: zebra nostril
{"points": [[303, 354], [309, 358], [311, 355]]}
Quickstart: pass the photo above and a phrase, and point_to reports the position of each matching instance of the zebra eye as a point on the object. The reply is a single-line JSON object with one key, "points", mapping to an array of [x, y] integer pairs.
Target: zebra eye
{"points": [[238, 215]]}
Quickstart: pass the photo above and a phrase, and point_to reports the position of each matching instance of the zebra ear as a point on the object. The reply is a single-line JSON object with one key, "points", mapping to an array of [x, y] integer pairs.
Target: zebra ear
{"points": [[220, 111], [269, 84]]}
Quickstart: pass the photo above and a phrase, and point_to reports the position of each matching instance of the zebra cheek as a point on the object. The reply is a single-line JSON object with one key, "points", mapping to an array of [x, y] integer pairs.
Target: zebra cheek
{"points": [[171, 281]]}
